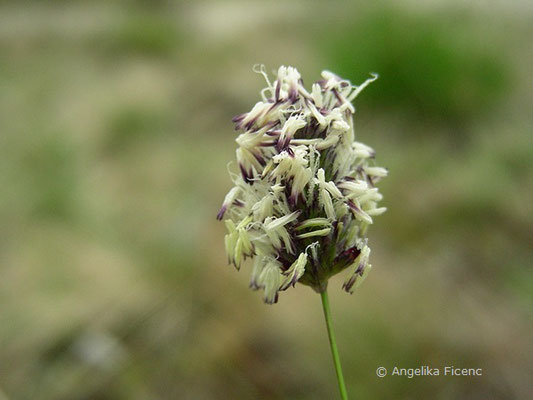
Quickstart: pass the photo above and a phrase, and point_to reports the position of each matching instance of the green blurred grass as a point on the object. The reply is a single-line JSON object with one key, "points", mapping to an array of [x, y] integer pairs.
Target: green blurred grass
{"points": [[115, 135], [433, 67]]}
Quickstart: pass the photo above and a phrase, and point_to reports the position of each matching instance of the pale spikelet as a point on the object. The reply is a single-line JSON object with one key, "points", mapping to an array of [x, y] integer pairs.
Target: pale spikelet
{"points": [[305, 191]]}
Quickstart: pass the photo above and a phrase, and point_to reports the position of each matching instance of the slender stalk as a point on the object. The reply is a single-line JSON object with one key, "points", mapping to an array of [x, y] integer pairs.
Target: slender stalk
{"points": [[333, 344]]}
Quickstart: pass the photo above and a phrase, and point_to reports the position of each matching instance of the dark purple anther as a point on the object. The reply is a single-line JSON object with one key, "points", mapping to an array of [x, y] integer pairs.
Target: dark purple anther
{"points": [[238, 121], [293, 94], [290, 152], [238, 203], [250, 123], [352, 205], [347, 256], [337, 96], [260, 159], [360, 269], [293, 200], [220, 214], [247, 176], [283, 144], [348, 285], [238, 118]]}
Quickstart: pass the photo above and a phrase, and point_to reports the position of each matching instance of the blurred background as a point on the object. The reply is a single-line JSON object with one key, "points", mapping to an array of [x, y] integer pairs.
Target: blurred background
{"points": [[115, 132]]}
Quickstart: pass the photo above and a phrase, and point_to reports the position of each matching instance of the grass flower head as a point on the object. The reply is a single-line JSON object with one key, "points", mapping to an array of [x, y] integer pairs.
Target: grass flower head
{"points": [[306, 191]]}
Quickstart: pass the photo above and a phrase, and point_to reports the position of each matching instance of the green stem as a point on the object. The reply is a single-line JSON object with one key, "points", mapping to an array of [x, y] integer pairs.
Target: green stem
{"points": [[333, 344]]}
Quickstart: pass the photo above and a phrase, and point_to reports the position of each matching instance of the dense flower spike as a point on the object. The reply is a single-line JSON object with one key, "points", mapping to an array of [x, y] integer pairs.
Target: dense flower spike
{"points": [[305, 192]]}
